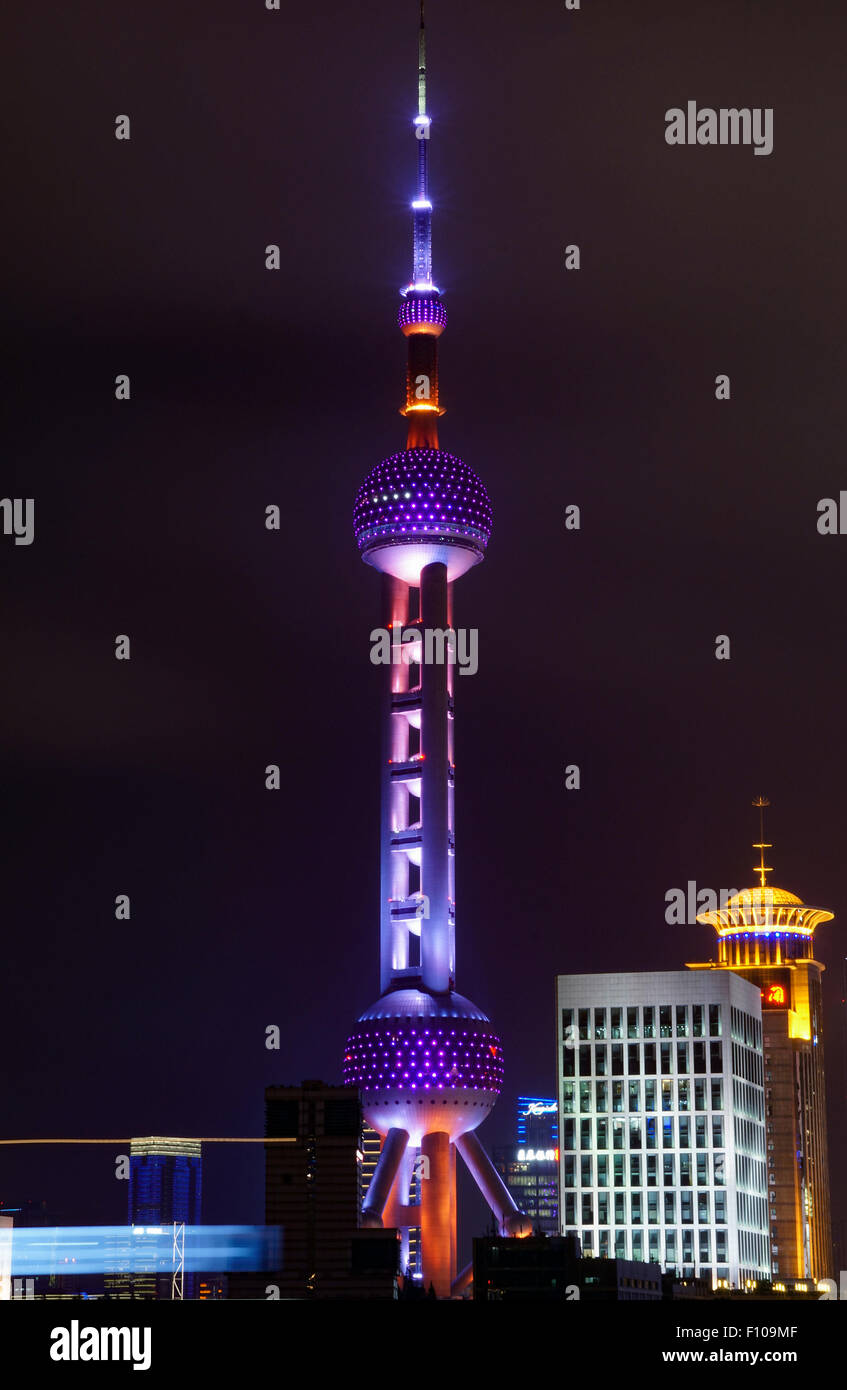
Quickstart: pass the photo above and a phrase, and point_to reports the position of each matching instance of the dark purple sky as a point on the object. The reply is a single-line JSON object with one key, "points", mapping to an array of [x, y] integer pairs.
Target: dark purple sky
{"points": [[249, 647]]}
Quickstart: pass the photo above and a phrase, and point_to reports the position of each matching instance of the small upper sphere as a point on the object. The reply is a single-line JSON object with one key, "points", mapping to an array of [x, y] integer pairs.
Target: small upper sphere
{"points": [[420, 507], [422, 313]]}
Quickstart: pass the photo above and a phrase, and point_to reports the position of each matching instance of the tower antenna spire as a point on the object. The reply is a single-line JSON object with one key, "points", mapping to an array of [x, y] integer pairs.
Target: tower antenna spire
{"points": [[762, 870], [422, 65]]}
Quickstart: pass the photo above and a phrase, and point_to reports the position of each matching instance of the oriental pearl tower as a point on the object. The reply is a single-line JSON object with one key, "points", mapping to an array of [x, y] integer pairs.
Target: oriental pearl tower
{"points": [[428, 1062]]}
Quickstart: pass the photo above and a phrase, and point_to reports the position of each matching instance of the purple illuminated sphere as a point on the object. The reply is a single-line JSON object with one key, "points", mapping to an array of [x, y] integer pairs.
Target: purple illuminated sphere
{"points": [[421, 506], [424, 1062], [424, 311]]}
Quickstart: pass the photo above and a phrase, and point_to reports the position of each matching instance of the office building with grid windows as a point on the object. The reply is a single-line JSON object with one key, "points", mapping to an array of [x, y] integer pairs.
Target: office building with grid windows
{"points": [[662, 1121]]}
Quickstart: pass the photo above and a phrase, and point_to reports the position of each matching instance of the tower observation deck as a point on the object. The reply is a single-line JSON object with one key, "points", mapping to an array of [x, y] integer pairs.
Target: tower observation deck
{"points": [[428, 1062]]}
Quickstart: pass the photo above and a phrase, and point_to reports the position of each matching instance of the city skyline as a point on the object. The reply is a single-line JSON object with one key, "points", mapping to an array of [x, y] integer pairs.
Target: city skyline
{"points": [[594, 388]]}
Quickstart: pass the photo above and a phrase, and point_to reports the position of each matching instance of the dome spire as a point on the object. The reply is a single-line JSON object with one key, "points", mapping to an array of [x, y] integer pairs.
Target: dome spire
{"points": [[763, 870]]}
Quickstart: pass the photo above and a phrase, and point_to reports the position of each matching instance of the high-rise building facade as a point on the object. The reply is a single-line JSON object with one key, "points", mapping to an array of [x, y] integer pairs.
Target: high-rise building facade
{"points": [[766, 936], [428, 1062], [662, 1121], [165, 1188], [538, 1122], [530, 1166]]}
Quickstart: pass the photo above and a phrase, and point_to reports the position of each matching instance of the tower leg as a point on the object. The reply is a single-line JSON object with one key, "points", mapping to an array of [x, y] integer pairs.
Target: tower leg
{"points": [[511, 1221], [385, 1172], [454, 1223], [437, 1205], [396, 1210]]}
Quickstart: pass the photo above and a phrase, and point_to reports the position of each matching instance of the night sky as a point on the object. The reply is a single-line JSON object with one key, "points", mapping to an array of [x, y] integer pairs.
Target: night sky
{"points": [[251, 647]]}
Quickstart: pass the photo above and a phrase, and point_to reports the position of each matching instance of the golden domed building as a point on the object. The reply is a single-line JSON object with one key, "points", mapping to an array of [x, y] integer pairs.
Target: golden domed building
{"points": [[766, 934]]}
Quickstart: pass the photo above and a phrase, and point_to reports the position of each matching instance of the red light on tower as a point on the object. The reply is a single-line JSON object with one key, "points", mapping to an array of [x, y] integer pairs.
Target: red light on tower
{"points": [[775, 996]]}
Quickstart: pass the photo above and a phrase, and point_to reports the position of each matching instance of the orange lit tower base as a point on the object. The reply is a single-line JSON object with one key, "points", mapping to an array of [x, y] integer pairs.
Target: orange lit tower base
{"points": [[767, 935], [427, 1061]]}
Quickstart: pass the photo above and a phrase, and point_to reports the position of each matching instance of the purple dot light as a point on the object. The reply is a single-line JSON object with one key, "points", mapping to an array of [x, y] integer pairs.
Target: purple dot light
{"points": [[382, 1052]]}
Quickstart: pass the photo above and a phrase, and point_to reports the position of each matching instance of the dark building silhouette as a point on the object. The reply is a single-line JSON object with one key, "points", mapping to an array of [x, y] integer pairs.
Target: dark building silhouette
{"points": [[542, 1269], [313, 1182]]}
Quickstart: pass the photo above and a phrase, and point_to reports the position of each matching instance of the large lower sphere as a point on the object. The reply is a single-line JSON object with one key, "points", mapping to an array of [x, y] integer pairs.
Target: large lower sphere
{"points": [[424, 1063]]}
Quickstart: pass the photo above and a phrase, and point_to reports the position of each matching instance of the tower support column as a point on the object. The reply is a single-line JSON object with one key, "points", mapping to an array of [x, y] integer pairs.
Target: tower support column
{"points": [[436, 1214], [393, 878], [435, 929]]}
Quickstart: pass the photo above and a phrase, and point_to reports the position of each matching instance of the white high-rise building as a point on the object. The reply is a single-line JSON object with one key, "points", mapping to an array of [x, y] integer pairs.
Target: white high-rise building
{"points": [[662, 1121]]}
